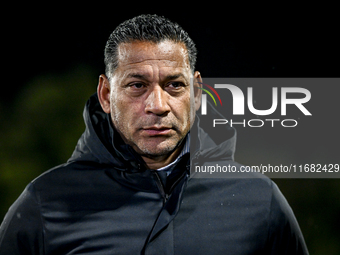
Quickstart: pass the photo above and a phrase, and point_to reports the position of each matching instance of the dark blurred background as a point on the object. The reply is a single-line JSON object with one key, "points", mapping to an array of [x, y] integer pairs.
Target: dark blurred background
{"points": [[52, 57]]}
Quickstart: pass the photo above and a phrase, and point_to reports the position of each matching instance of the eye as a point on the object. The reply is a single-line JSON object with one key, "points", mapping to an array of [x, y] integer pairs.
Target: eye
{"points": [[137, 85], [176, 85], [135, 88], [175, 88]]}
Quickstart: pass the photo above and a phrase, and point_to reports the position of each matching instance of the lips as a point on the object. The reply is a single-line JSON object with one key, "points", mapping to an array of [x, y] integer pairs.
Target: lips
{"points": [[154, 131]]}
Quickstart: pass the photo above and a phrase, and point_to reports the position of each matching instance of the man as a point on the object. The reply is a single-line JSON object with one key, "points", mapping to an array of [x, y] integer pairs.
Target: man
{"points": [[128, 188]]}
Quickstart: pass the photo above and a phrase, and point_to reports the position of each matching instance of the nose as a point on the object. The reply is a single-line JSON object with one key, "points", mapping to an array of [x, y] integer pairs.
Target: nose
{"points": [[157, 102]]}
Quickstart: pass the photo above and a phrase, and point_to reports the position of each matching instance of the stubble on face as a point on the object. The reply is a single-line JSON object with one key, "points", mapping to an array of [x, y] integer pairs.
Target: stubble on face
{"points": [[150, 97]]}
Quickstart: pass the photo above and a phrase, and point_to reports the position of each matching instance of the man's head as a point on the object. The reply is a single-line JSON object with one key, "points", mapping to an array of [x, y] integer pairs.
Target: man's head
{"points": [[148, 87], [151, 28]]}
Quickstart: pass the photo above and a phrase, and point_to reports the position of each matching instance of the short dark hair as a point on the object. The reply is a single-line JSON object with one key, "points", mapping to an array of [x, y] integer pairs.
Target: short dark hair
{"points": [[146, 28]]}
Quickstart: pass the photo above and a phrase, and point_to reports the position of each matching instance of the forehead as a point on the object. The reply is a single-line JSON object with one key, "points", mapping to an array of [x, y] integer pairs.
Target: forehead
{"points": [[164, 55]]}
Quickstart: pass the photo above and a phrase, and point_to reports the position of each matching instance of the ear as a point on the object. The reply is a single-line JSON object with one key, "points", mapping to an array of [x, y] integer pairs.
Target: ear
{"points": [[197, 92], [103, 92]]}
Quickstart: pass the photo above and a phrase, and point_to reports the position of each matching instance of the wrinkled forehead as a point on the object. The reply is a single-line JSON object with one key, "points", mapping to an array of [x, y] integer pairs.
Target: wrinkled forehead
{"points": [[166, 54]]}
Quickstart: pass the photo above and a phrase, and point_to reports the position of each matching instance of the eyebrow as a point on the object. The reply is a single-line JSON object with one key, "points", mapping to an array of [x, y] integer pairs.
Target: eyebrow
{"points": [[174, 76], [168, 77], [136, 75]]}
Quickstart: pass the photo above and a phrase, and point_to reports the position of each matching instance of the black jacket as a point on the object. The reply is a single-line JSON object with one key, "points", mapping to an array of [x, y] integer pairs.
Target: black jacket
{"points": [[105, 201]]}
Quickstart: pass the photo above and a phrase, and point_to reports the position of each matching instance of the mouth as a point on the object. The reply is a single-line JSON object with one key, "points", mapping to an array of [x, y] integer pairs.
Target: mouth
{"points": [[155, 131]]}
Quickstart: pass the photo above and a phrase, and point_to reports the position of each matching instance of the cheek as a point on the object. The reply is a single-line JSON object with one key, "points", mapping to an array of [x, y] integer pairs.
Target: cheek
{"points": [[117, 111], [182, 109], [123, 112]]}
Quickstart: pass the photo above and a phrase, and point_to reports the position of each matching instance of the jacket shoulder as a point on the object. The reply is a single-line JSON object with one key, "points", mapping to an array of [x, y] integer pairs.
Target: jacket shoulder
{"points": [[285, 236], [63, 174], [21, 231], [252, 199]]}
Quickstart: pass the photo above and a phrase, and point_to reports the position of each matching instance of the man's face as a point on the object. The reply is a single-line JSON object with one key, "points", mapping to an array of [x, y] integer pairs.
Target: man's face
{"points": [[149, 98]]}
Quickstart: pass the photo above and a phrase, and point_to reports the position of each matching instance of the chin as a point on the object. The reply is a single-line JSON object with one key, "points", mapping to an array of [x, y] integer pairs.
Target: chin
{"points": [[157, 149]]}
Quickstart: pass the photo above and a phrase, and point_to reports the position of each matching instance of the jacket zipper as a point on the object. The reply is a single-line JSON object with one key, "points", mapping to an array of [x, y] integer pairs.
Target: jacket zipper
{"points": [[161, 187], [177, 181]]}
